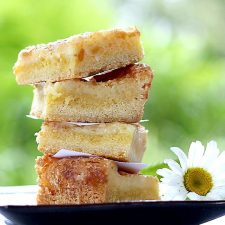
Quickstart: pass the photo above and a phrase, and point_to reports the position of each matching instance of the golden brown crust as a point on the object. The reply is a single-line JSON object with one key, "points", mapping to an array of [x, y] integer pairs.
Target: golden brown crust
{"points": [[82, 180], [79, 56], [69, 170], [120, 97], [84, 177]]}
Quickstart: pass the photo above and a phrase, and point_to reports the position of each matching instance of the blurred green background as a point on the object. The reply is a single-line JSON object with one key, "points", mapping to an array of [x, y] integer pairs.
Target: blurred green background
{"points": [[184, 43]]}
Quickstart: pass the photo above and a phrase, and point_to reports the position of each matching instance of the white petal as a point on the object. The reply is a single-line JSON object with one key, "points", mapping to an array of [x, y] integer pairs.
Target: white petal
{"points": [[197, 150], [191, 154], [165, 172], [172, 193], [175, 180], [213, 196], [166, 196], [221, 158], [174, 166], [218, 172], [181, 196], [211, 154], [219, 183], [216, 194], [194, 196], [167, 192], [219, 164], [218, 190], [182, 193], [181, 156]]}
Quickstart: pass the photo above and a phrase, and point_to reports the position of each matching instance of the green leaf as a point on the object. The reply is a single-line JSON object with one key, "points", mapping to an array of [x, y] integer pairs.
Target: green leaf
{"points": [[151, 170]]}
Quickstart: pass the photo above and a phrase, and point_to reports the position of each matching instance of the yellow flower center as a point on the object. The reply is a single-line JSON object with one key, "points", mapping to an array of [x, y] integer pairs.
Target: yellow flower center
{"points": [[198, 180]]}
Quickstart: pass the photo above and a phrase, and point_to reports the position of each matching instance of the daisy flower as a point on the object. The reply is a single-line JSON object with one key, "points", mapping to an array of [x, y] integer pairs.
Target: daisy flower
{"points": [[198, 176]]}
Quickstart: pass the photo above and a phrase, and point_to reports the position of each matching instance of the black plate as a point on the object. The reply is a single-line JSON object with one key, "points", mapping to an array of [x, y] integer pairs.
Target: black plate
{"points": [[18, 205], [148, 212]]}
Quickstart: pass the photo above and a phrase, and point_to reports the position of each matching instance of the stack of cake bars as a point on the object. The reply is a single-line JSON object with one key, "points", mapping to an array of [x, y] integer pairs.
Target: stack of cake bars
{"points": [[90, 91]]}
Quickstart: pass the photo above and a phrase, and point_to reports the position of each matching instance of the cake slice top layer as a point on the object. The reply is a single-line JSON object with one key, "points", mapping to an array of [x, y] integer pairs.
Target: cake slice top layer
{"points": [[79, 56]]}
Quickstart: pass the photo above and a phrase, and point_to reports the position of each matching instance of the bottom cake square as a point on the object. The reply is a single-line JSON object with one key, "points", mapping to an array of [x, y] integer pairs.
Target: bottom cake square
{"points": [[86, 180]]}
